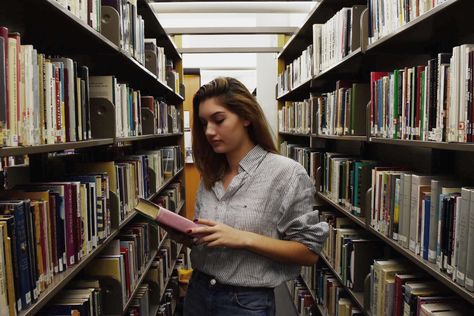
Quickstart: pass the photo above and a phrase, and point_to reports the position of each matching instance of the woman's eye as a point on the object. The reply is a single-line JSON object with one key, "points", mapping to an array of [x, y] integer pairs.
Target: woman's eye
{"points": [[219, 121]]}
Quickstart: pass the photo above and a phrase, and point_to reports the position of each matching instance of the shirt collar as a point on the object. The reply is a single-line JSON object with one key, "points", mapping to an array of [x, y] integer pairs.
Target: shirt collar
{"points": [[252, 159]]}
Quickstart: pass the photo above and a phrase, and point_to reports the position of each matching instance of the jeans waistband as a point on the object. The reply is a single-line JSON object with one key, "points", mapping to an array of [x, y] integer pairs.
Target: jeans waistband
{"points": [[213, 283]]}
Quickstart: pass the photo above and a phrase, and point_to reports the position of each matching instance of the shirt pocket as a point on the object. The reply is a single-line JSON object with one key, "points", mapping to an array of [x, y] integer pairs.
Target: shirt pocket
{"points": [[250, 215]]}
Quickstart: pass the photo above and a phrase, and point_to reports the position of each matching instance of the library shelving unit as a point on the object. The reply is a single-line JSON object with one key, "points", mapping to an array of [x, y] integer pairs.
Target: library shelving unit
{"points": [[437, 30], [55, 31]]}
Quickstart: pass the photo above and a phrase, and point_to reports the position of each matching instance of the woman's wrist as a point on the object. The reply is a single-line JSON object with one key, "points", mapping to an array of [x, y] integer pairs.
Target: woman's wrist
{"points": [[248, 239]]}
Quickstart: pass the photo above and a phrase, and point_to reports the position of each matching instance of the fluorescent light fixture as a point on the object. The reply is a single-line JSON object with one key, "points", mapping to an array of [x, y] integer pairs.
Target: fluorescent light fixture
{"points": [[234, 7]]}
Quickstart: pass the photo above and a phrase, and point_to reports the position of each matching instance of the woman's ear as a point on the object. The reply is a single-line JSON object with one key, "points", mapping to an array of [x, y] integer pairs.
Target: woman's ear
{"points": [[246, 123]]}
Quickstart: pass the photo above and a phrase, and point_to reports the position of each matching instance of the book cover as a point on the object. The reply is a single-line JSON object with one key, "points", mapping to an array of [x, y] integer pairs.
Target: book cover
{"points": [[165, 217]]}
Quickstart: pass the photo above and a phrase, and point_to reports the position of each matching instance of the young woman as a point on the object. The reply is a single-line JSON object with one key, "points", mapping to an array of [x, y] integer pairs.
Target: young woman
{"points": [[255, 207]]}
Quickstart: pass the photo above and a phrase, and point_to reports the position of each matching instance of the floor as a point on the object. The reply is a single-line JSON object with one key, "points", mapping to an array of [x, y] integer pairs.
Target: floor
{"points": [[283, 301]]}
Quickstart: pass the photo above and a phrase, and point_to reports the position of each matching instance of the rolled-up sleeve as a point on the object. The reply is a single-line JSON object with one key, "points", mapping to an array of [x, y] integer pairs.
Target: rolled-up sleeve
{"points": [[298, 221]]}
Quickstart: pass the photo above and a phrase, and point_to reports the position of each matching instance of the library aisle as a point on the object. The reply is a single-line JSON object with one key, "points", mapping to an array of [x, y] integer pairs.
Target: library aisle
{"points": [[374, 98]]}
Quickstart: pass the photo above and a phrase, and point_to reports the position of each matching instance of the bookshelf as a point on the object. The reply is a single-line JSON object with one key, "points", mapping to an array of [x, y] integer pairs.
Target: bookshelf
{"points": [[55, 31], [414, 43], [425, 265]]}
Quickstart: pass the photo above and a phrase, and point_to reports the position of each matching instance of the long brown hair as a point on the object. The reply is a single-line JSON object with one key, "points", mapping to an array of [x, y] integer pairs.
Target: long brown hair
{"points": [[235, 97]]}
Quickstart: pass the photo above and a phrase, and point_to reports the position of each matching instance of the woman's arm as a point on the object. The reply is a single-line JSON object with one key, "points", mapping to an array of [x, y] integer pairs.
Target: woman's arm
{"points": [[285, 251]]}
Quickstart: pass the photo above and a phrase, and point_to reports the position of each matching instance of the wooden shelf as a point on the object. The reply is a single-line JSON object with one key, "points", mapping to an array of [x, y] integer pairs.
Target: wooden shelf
{"points": [[140, 280], [100, 54], [424, 144], [341, 137], [297, 93], [60, 280], [322, 12], [357, 297], [427, 266], [165, 184], [435, 31], [38, 149]]}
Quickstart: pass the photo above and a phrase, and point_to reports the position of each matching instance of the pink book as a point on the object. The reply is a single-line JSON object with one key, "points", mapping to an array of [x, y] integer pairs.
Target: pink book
{"points": [[165, 217]]}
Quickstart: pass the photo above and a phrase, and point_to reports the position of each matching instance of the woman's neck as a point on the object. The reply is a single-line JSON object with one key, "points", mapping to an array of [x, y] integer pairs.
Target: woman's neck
{"points": [[234, 158]]}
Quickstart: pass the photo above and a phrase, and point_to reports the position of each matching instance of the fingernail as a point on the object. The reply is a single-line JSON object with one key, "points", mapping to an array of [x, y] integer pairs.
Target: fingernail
{"points": [[190, 231], [196, 220]]}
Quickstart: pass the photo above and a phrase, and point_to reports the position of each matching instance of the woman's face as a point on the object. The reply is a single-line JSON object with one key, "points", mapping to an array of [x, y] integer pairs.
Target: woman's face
{"points": [[225, 131]]}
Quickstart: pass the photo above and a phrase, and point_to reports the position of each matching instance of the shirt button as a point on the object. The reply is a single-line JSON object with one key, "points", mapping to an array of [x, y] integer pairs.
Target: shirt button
{"points": [[212, 282]]}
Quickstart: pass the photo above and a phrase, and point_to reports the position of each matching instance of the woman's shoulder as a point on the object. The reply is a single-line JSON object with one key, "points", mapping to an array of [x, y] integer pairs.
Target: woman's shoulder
{"points": [[280, 163]]}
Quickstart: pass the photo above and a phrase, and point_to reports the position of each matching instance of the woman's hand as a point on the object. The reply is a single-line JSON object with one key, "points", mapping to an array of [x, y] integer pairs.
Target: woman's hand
{"points": [[180, 237], [219, 235]]}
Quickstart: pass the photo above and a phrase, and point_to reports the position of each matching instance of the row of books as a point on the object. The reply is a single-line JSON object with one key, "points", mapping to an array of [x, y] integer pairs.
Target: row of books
{"points": [[127, 104], [88, 12], [43, 100], [434, 219], [113, 275], [155, 60], [385, 17], [395, 289], [429, 215], [47, 228], [295, 117], [140, 304], [171, 197], [64, 221], [128, 33], [307, 157], [166, 118], [337, 38], [330, 295], [302, 298], [295, 73], [47, 100], [124, 26], [429, 103], [349, 250], [343, 111]]}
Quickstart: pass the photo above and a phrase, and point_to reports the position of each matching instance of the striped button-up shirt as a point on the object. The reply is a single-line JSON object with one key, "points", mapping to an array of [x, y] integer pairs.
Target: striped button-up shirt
{"points": [[271, 195]]}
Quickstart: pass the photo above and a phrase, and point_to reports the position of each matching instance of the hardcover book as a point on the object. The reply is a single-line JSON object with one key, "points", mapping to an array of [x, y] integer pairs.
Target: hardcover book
{"points": [[165, 217]]}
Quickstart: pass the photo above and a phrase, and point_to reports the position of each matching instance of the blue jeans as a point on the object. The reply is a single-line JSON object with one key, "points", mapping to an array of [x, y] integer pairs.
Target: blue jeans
{"points": [[206, 297]]}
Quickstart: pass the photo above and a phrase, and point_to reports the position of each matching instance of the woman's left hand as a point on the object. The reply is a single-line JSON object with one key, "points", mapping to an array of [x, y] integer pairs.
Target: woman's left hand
{"points": [[219, 235]]}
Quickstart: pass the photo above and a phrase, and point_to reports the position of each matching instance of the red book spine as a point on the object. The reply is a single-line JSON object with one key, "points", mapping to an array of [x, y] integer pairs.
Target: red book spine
{"points": [[471, 98], [418, 95], [398, 297], [58, 105], [124, 252], [52, 223], [4, 34], [70, 232]]}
